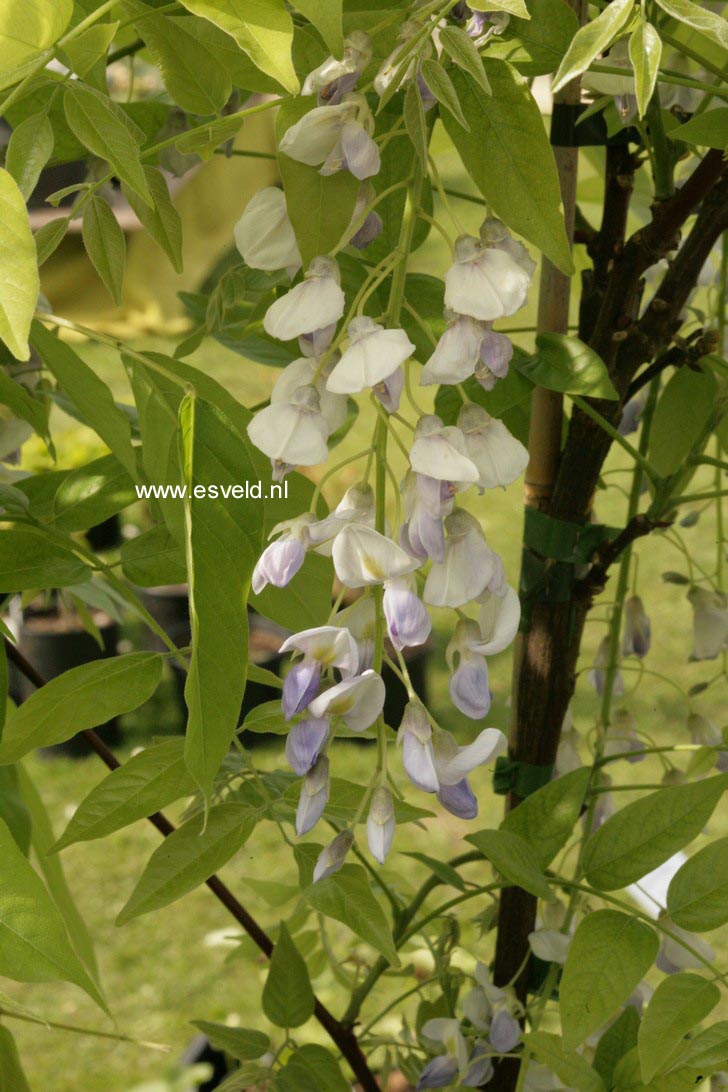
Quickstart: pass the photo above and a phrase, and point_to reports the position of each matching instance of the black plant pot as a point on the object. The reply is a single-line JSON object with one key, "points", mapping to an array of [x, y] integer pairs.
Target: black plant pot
{"points": [[169, 606], [55, 643], [105, 535]]}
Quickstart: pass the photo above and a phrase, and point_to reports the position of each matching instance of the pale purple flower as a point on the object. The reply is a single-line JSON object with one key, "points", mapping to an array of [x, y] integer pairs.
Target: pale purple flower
{"points": [[323, 646], [710, 622], [673, 956], [469, 567], [380, 823], [499, 457], [359, 619], [438, 1073], [489, 278], [418, 755], [597, 676], [333, 79], [314, 795], [505, 1032], [356, 506], [408, 622], [304, 372], [389, 391], [421, 533], [370, 230], [636, 635], [480, 1069], [459, 799], [281, 560], [333, 856], [621, 736], [439, 452], [305, 742]]}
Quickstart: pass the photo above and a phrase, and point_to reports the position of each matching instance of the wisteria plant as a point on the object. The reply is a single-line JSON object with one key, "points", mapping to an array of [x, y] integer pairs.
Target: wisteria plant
{"points": [[566, 945]]}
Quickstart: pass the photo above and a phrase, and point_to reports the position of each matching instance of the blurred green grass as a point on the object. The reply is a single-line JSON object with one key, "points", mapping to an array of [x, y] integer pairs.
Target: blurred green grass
{"points": [[163, 970]]}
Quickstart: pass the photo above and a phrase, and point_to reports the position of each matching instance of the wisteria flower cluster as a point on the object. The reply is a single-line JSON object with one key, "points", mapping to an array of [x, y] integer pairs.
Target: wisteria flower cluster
{"points": [[437, 555]]}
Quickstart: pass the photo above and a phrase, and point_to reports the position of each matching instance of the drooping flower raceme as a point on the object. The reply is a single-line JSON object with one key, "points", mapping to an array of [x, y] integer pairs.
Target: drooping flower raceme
{"points": [[334, 681]]}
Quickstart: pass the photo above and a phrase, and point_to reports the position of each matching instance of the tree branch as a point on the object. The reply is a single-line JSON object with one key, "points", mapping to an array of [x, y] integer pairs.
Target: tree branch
{"points": [[342, 1036]]}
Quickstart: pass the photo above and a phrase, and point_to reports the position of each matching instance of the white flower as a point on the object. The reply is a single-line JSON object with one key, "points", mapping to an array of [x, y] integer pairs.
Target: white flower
{"points": [[447, 1031], [710, 622], [358, 701], [499, 457], [418, 754], [316, 302], [439, 452], [372, 356], [380, 823], [549, 945], [322, 647], [468, 568], [264, 235], [363, 556], [456, 353], [302, 373], [597, 676], [291, 433], [356, 506], [499, 618], [487, 281], [335, 138]]}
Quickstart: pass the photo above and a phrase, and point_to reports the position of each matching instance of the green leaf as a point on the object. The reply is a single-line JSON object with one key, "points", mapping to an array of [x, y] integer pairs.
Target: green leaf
{"points": [[628, 1077], [147, 782], [679, 1003], [441, 86], [13, 809], [619, 1038], [714, 26], [90, 394], [319, 207], [514, 7], [397, 161], [48, 238], [42, 839], [645, 833], [163, 222], [105, 130], [25, 404], [311, 1068], [287, 995], [105, 245], [204, 139], [28, 560], [262, 28], [153, 558], [87, 53], [515, 859], [326, 16], [244, 1044], [223, 541], [30, 148], [188, 857], [414, 121], [707, 1049], [508, 156], [461, 48], [565, 363], [546, 818], [609, 955], [27, 28], [645, 50], [591, 40], [12, 1077], [444, 872], [709, 129], [347, 897], [91, 494], [34, 944], [697, 898], [81, 698], [190, 71], [306, 601], [19, 283], [536, 46], [569, 1066]]}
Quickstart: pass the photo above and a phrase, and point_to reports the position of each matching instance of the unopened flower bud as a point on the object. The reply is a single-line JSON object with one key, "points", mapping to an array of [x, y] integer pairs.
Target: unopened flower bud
{"points": [[333, 856], [380, 823]]}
